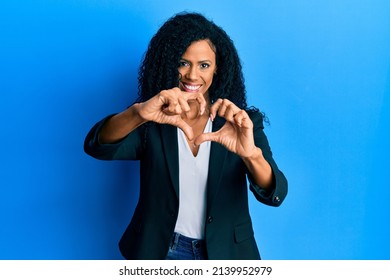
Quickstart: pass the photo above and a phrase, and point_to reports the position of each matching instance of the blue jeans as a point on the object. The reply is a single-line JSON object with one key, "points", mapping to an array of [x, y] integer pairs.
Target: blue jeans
{"points": [[185, 248]]}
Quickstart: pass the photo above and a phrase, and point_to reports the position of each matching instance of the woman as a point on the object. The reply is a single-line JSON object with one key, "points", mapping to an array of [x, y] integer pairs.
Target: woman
{"points": [[197, 143]]}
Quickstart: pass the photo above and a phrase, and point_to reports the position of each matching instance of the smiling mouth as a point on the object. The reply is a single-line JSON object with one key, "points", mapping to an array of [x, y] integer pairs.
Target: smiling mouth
{"points": [[190, 88]]}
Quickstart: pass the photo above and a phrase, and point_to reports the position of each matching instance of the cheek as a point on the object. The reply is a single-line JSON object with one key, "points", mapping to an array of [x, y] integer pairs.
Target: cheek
{"points": [[210, 75], [210, 79], [181, 74]]}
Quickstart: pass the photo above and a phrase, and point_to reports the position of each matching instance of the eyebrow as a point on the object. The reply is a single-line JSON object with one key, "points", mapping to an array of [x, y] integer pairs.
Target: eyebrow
{"points": [[201, 61]]}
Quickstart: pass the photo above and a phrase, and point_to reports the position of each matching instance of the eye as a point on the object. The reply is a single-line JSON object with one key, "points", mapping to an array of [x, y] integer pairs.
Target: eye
{"points": [[204, 65], [183, 63]]}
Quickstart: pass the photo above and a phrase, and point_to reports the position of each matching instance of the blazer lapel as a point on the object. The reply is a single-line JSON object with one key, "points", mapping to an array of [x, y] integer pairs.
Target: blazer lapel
{"points": [[169, 140], [218, 155]]}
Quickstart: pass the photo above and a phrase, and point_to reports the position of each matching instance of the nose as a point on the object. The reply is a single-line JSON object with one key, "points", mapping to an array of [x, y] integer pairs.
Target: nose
{"points": [[192, 73]]}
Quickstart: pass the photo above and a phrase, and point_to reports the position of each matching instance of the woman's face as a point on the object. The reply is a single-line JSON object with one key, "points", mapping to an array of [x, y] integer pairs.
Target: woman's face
{"points": [[197, 68]]}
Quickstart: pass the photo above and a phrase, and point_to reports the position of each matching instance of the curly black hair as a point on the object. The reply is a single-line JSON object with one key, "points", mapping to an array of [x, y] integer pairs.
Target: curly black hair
{"points": [[159, 69]]}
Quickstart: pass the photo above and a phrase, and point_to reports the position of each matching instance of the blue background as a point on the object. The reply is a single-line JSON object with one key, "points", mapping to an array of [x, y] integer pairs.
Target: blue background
{"points": [[319, 69]]}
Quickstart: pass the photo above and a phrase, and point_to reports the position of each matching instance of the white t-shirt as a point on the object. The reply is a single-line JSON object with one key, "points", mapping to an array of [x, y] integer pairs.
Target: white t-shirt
{"points": [[193, 172]]}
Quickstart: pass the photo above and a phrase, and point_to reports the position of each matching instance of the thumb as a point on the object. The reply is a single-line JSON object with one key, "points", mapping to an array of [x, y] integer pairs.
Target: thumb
{"points": [[185, 128], [210, 136]]}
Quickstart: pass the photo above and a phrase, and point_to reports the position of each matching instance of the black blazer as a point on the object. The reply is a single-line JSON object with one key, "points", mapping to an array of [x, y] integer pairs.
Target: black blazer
{"points": [[228, 231]]}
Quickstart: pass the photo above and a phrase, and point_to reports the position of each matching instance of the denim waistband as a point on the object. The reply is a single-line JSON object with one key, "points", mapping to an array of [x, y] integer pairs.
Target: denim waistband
{"points": [[183, 247], [179, 237]]}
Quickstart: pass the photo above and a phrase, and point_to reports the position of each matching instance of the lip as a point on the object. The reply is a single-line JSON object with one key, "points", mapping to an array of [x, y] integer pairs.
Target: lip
{"points": [[188, 87]]}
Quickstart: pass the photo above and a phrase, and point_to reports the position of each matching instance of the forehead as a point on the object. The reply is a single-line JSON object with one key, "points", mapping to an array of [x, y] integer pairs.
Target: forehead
{"points": [[199, 49]]}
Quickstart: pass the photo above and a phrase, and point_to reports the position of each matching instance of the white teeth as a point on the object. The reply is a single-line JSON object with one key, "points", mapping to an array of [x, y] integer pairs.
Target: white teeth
{"points": [[190, 87]]}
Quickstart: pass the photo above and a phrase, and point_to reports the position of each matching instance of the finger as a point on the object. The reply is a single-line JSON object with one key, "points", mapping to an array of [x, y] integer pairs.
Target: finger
{"points": [[222, 108], [211, 136], [239, 118], [199, 98], [229, 113], [214, 108], [226, 109], [177, 104], [173, 109], [185, 128], [242, 119], [172, 106], [168, 101], [202, 102], [170, 96], [183, 104]]}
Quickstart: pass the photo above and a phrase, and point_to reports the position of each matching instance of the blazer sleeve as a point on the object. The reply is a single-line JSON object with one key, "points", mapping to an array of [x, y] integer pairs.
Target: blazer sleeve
{"points": [[129, 147], [278, 192]]}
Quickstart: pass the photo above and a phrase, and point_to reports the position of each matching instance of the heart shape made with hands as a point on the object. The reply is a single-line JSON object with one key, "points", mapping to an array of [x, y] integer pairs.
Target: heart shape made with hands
{"points": [[171, 106]]}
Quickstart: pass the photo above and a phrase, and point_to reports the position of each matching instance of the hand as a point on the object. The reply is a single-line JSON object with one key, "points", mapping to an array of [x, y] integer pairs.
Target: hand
{"points": [[169, 106], [237, 132]]}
